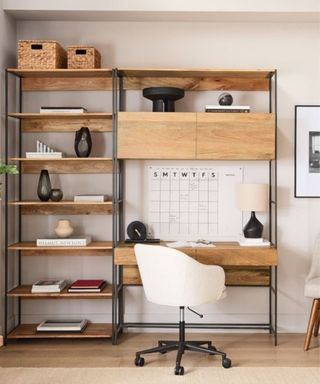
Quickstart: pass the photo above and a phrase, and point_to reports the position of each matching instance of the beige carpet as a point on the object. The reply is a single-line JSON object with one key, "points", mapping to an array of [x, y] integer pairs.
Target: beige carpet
{"points": [[272, 375]]}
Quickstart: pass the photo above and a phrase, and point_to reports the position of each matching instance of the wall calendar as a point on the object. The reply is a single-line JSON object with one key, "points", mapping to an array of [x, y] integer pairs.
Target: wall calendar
{"points": [[192, 203]]}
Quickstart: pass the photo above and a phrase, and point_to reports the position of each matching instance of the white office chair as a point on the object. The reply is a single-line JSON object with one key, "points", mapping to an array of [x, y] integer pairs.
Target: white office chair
{"points": [[170, 277], [312, 289]]}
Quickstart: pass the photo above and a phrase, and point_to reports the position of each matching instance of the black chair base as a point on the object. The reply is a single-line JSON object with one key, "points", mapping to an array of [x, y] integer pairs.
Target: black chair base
{"points": [[181, 346]]}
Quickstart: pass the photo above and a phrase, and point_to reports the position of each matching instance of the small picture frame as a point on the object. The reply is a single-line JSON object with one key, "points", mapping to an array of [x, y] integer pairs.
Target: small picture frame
{"points": [[307, 151]]}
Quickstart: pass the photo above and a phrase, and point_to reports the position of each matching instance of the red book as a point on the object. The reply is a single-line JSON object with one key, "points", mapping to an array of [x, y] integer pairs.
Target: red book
{"points": [[87, 284]]}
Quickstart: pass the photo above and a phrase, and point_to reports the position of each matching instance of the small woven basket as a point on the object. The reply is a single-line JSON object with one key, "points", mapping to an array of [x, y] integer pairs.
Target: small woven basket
{"points": [[41, 54], [83, 57]]}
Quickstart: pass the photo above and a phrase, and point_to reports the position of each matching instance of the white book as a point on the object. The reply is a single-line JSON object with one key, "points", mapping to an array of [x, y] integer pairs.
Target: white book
{"points": [[48, 286], [67, 242], [62, 326], [63, 110], [96, 198], [249, 240], [43, 155], [227, 108], [265, 243]]}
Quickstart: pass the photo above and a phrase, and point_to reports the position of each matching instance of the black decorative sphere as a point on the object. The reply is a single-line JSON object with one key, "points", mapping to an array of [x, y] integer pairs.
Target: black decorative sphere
{"points": [[225, 99], [56, 194]]}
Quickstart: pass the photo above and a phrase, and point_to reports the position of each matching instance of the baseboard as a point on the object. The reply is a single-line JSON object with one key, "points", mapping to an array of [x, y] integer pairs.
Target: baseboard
{"points": [[1, 341]]}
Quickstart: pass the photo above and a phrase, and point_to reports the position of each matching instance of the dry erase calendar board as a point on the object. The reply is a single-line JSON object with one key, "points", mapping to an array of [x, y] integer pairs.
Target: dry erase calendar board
{"points": [[191, 203]]}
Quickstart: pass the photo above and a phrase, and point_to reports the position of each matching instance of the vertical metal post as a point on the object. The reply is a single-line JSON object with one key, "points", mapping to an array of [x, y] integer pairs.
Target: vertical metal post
{"points": [[115, 208], [6, 228], [20, 198], [275, 305], [270, 300]]}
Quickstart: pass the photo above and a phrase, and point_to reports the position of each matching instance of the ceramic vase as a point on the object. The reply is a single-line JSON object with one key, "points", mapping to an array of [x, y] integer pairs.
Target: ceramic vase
{"points": [[44, 186], [64, 228], [82, 142]]}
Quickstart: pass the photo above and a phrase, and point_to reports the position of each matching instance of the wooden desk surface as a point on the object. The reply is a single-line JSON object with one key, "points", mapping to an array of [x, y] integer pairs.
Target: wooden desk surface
{"points": [[224, 253]]}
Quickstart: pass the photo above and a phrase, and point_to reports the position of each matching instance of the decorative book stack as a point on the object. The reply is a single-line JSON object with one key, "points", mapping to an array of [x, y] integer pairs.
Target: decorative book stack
{"points": [[95, 198], [228, 108], [48, 286], [63, 110], [87, 286], [67, 242], [62, 326], [252, 242]]}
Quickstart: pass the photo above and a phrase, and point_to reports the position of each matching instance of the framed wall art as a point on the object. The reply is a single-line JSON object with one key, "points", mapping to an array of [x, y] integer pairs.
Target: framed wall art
{"points": [[307, 151]]}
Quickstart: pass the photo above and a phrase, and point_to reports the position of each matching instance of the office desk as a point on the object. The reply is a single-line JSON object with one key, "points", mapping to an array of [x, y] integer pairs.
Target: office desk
{"points": [[244, 266]]}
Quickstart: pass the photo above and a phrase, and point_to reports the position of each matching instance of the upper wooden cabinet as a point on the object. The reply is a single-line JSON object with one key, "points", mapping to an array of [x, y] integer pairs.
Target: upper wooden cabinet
{"points": [[198, 136]]}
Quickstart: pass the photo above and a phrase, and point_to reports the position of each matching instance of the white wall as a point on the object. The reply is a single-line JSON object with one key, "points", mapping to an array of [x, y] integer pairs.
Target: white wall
{"points": [[291, 48], [7, 58]]}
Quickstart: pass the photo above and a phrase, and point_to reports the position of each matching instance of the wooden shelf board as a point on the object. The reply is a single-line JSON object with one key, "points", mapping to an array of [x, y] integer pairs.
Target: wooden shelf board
{"points": [[197, 79], [24, 291], [224, 253], [96, 248], [62, 72], [66, 165], [196, 72], [93, 330], [45, 116], [63, 207], [63, 122]]}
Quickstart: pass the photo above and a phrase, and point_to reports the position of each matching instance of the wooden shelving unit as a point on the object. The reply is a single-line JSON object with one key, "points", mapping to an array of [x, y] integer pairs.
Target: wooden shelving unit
{"points": [[93, 330], [206, 136], [67, 165], [98, 123], [24, 291]]}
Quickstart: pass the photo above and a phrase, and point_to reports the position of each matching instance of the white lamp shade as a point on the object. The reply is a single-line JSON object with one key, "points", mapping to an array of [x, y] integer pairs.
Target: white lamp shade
{"points": [[253, 197]]}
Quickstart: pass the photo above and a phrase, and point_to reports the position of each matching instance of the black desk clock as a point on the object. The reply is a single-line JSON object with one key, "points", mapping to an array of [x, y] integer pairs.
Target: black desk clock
{"points": [[137, 233]]}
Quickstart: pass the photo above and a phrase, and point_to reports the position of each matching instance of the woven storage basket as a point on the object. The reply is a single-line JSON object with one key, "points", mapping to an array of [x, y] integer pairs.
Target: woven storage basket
{"points": [[83, 57], [41, 54]]}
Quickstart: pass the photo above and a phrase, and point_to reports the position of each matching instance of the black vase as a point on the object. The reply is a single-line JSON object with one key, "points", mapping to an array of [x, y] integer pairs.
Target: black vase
{"points": [[44, 186], [253, 228], [83, 143]]}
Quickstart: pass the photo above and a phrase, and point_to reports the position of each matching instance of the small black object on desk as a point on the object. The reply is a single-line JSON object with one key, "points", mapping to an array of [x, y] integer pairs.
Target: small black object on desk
{"points": [[137, 233]]}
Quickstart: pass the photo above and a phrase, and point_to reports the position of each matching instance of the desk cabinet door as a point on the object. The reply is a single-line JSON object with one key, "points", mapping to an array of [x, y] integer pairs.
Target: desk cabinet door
{"points": [[156, 135], [235, 136]]}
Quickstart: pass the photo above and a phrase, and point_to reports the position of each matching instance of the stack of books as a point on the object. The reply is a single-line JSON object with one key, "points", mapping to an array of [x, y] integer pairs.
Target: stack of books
{"points": [[228, 108], [87, 286], [67, 242], [249, 242], [48, 286], [63, 110], [95, 198], [62, 326]]}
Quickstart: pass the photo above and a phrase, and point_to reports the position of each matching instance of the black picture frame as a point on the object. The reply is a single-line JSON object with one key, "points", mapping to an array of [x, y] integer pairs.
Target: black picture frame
{"points": [[307, 151]]}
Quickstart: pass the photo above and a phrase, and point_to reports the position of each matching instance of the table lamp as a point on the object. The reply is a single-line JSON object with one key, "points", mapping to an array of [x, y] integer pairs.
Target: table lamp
{"points": [[254, 198]]}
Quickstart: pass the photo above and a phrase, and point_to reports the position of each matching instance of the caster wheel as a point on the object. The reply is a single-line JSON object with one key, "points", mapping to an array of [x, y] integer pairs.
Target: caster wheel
{"points": [[226, 363], [161, 345], [139, 361], [179, 371]]}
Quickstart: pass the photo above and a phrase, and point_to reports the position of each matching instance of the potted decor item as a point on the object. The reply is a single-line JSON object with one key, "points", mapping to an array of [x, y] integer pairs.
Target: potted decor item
{"points": [[64, 228], [83, 143], [44, 185], [9, 169]]}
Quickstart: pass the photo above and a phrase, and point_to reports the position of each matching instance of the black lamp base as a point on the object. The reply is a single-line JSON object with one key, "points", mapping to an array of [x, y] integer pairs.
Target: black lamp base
{"points": [[163, 98], [253, 229]]}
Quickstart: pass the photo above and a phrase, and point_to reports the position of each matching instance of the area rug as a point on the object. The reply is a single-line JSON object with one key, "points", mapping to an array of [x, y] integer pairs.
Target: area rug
{"points": [[163, 375]]}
